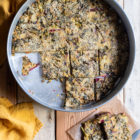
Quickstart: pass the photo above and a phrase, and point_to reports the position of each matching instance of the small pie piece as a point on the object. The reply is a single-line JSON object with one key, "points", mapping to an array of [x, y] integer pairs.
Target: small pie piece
{"points": [[53, 9], [121, 128], [115, 126], [72, 28], [96, 9], [109, 61], [86, 37], [26, 42], [27, 65], [55, 64], [92, 131], [89, 37], [106, 122], [84, 63], [40, 28], [108, 127], [75, 7], [79, 91], [103, 84], [75, 16], [54, 39]]}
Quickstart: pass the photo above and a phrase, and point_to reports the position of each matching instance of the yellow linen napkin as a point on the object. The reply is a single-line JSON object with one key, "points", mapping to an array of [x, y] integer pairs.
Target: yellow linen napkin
{"points": [[17, 122], [8, 8]]}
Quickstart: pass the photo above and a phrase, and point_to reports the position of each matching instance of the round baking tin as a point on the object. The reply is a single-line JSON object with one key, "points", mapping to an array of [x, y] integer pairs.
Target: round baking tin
{"points": [[44, 94]]}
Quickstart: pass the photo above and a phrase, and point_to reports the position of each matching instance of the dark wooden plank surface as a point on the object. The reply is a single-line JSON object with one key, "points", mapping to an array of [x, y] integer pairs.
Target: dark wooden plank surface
{"points": [[8, 85]]}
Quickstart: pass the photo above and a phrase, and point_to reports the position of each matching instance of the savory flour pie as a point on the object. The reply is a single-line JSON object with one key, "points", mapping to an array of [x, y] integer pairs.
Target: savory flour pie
{"points": [[84, 63], [79, 91], [107, 127], [80, 40], [27, 65], [55, 64], [92, 131]]}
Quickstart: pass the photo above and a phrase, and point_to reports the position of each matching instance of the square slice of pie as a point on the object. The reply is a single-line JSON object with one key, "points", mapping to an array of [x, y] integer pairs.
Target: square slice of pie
{"points": [[26, 41], [84, 63], [107, 123], [121, 130], [55, 64], [84, 37], [92, 131], [109, 62], [79, 91], [115, 126], [103, 84], [54, 39]]}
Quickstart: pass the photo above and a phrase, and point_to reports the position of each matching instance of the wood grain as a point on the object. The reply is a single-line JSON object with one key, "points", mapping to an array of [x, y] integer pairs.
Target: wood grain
{"points": [[132, 88], [8, 85], [45, 115], [65, 120]]}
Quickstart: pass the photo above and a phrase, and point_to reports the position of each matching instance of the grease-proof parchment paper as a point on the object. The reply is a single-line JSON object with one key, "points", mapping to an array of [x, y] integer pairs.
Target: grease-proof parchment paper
{"points": [[115, 106]]}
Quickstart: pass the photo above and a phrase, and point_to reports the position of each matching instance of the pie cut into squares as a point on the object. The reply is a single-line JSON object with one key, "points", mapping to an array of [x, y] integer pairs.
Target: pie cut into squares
{"points": [[55, 64], [84, 63], [79, 91]]}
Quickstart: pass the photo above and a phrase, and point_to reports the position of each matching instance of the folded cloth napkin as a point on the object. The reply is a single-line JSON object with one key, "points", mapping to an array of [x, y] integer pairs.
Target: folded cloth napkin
{"points": [[8, 8], [17, 122]]}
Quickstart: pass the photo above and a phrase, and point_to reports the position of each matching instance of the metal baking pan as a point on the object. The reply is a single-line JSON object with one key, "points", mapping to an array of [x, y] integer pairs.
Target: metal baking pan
{"points": [[51, 94]]}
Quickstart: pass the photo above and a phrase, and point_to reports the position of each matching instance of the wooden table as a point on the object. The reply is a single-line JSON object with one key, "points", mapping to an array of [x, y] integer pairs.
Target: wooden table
{"points": [[56, 123]]}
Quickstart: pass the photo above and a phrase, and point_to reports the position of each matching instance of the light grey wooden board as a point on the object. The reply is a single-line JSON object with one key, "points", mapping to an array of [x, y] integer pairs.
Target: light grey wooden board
{"points": [[45, 115], [132, 88]]}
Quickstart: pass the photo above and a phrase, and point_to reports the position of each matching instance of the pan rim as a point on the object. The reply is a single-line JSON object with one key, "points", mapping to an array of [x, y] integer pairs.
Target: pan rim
{"points": [[120, 85]]}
